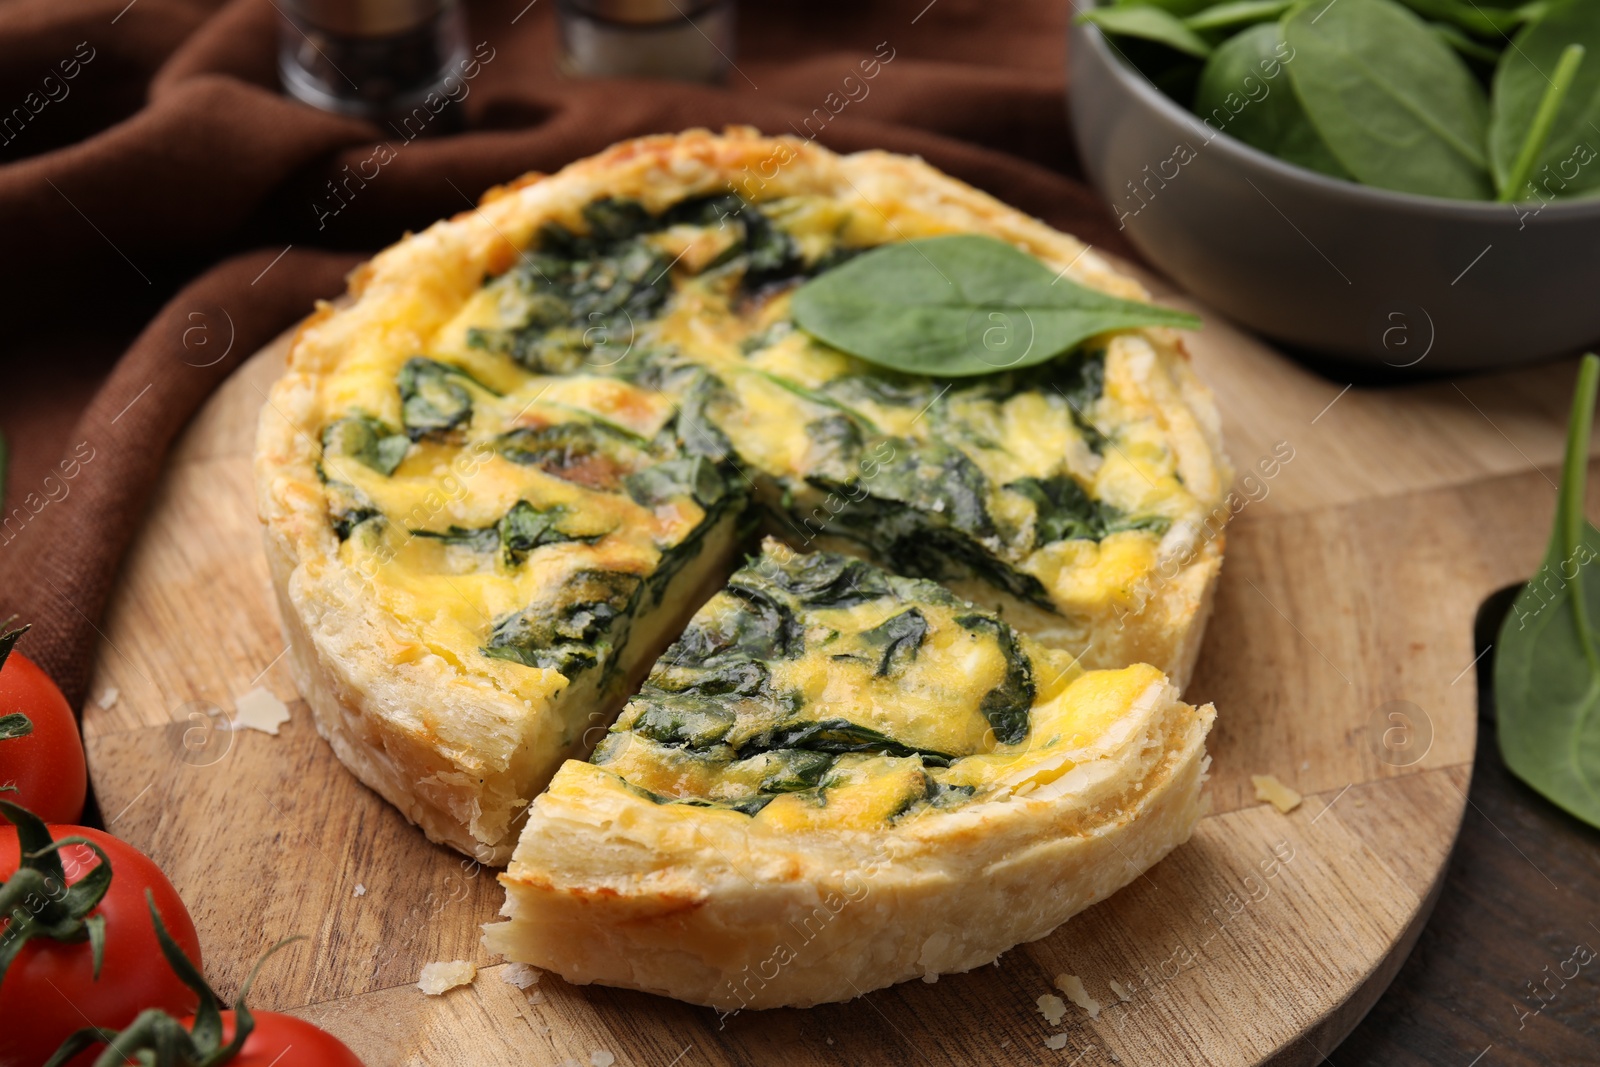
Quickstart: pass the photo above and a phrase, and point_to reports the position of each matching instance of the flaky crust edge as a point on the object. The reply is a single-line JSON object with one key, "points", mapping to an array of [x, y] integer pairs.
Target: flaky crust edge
{"points": [[712, 908]]}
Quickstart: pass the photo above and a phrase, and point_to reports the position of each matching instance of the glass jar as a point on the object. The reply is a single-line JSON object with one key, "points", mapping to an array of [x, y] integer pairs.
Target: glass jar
{"points": [[369, 59], [684, 40]]}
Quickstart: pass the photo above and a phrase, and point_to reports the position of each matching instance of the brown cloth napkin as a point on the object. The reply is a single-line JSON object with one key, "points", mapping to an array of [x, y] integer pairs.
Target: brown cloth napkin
{"points": [[146, 143]]}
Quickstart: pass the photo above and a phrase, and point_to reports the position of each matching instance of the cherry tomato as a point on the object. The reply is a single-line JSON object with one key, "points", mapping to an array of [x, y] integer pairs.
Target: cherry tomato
{"points": [[276, 1034], [49, 991], [46, 765]]}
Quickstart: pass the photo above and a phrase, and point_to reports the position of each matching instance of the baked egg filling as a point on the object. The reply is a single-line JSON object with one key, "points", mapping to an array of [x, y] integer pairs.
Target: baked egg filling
{"points": [[534, 473], [820, 690]]}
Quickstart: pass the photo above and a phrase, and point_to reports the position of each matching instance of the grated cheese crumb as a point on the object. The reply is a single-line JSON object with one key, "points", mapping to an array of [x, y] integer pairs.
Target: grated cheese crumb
{"points": [[521, 975], [930, 977], [1274, 792], [438, 978], [1052, 1008], [1056, 1041], [108, 697], [1120, 990], [1072, 986], [260, 710], [360, 890], [601, 1058]]}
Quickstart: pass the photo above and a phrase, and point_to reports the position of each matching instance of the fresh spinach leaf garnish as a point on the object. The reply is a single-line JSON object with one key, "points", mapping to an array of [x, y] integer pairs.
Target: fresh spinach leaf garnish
{"points": [[1547, 658], [1394, 104], [959, 306]]}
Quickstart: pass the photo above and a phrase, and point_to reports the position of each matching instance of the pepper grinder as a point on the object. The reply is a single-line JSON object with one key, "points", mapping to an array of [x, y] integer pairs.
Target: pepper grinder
{"points": [[370, 59], [684, 40]]}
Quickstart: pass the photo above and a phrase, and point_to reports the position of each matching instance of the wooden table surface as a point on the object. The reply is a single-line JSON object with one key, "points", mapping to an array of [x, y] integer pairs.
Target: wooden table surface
{"points": [[1351, 584], [1522, 891]]}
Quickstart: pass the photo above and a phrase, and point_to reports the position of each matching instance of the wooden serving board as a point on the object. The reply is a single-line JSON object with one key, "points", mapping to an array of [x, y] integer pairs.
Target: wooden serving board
{"points": [[1351, 581]]}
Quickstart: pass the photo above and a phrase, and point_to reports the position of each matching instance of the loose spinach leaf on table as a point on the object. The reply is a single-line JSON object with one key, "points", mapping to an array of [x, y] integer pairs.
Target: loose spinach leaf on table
{"points": [[1236, 96], [1547, 658], [960, 306], [1396, 106], [1521, 81], [1149, 23]]}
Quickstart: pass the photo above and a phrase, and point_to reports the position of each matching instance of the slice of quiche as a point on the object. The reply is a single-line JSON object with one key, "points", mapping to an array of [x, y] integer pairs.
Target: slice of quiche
{"points": [[838, 779], [499, 479]]}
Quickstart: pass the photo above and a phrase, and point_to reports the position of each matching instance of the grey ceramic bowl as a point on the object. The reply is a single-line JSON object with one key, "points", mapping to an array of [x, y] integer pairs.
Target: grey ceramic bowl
{"points": [[1358, 274]]}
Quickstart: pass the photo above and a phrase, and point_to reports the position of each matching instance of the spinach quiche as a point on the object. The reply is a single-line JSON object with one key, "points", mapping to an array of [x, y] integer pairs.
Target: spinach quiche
{"points": [[839, 778], [501, 477]]}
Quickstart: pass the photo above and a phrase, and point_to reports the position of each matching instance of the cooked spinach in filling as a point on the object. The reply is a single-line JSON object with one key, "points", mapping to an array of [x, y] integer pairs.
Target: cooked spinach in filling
{"points": [[635, 380], [811, 672]]}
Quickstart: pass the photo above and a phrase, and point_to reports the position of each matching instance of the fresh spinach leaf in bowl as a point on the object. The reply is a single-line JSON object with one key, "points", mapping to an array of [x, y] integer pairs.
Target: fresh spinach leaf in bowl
{"points": [[1449, 98]]}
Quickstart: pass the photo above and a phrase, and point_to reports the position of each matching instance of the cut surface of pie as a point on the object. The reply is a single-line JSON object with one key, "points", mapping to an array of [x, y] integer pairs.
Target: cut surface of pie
{"points": [[837, 779], [503, 476]]}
